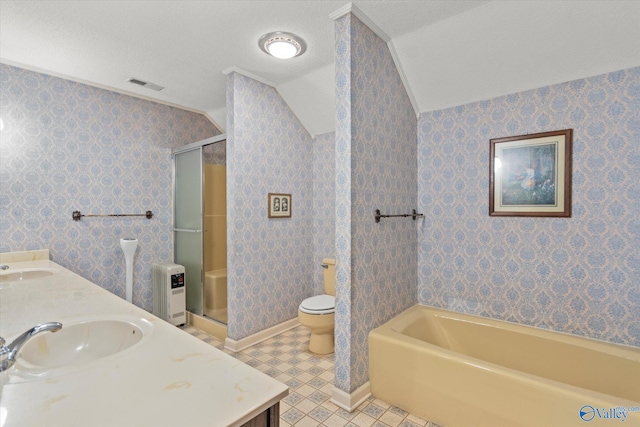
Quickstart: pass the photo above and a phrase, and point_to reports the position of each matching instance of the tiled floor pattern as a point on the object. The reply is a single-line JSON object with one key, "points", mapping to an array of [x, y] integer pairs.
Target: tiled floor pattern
{"points": [[286, 358]]}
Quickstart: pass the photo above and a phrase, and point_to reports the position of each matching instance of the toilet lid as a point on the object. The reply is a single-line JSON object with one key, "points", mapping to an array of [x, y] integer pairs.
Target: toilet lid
{"points": [[320, 304]]}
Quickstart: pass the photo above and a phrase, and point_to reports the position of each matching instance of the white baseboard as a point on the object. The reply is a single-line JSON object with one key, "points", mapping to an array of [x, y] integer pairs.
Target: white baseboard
{"points": [[245, 342], [350, 401], [207, 325]]}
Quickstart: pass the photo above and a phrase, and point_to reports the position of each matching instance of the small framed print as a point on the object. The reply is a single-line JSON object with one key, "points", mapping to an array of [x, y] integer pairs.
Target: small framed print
{"points": [[279, 205], [530, 175]]}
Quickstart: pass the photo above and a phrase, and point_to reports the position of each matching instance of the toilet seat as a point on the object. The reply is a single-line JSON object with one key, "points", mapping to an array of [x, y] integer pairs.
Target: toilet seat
{"points": [[320, 304]]}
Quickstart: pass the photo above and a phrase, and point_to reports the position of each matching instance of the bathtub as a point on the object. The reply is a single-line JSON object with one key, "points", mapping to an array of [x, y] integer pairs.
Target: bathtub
{"points": [[462, 370]]}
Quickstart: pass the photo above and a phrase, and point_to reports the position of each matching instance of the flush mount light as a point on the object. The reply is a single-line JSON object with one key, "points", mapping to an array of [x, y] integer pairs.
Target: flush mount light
{"points": [[282, 45]]}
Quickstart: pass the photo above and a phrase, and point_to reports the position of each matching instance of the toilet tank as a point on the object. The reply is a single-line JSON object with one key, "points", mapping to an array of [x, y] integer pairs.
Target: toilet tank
{"points": [[329, 276]]}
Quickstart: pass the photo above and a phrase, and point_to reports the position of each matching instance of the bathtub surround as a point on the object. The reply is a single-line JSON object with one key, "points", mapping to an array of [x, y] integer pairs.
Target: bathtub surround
{"points": [[375, 169], [68, 146], [269, 260], [579, 275]]}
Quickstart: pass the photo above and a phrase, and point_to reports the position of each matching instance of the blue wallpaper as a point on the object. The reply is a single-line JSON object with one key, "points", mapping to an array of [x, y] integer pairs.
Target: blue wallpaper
{"points": [[579, 275], [343, 312], [67, 146], [376, 168], [270, 269], [324, 205]]}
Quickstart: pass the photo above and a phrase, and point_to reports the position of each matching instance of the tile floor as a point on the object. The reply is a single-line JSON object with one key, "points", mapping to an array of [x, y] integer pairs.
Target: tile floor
{"points": [[310, 379]]}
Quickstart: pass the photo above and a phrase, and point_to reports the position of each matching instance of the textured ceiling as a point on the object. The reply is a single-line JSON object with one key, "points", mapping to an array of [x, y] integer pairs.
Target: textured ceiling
{"points": [[451, 52]]}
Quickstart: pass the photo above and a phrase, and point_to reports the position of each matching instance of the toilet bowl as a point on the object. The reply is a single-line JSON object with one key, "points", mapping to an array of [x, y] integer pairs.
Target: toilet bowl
{"points": [[317, 313]]}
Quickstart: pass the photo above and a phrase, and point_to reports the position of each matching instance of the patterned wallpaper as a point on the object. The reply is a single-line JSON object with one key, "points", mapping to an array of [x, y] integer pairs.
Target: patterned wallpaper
{"points": [[377, 125], [67, 146], [215, 154], [579, 275], [324, 205], [343, 312], [269, 260]]}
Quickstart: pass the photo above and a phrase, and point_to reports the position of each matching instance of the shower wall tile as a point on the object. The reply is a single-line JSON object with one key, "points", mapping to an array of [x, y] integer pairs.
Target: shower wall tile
{"points": [[579, 275], [67, 146], [376, 138], [269, 261], [324, 205]]}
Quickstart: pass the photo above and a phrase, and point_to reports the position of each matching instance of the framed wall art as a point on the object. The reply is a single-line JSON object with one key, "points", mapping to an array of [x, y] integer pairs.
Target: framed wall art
{"points": [[279, 205], [530, 175]]}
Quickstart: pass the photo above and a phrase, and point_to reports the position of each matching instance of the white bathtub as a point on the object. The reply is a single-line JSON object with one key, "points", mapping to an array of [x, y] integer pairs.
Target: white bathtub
{"points": [[462, 370]]}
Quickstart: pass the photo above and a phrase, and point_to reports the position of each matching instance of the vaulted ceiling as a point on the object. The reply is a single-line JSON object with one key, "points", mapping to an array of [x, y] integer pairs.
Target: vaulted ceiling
{"points": [[450, 52]]}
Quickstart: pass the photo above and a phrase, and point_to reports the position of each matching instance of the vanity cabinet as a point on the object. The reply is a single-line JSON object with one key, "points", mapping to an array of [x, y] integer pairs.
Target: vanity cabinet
{"points": [[167, 377], [269, 418]]}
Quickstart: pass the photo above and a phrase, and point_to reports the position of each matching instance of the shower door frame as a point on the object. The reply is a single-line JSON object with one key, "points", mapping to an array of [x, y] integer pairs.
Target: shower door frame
{"points": [[198, 145]]}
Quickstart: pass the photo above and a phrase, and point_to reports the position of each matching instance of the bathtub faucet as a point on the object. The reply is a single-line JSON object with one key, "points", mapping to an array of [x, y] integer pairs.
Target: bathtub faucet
{"points": [[9, 353], [4, 267]]}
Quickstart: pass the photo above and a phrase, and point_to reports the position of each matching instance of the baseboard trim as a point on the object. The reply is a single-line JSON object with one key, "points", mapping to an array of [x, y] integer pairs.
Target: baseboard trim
{"points": [[209, 326], [350, 401], [245, 342]]}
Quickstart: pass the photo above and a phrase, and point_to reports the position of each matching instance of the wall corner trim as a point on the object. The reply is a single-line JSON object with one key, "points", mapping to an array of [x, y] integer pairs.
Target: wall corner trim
{"points": [[246, 73], [403, 77], [245, 342], [352, 8], [350, 401], [213, 122]]}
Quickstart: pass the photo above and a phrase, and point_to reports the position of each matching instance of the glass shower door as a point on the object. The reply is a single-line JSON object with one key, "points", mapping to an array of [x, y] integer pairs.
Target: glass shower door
{"points": [[188, 224]]}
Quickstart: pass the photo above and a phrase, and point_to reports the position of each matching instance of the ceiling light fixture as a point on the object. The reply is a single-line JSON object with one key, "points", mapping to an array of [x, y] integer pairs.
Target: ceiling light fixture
{"points": [[282, 45]]}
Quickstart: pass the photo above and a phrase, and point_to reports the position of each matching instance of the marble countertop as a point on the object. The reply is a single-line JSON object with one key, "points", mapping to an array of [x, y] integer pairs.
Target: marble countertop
{"points": [[169, 378]]}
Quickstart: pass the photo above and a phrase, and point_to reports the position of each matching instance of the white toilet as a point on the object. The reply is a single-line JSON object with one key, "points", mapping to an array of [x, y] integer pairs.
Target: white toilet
{"points": [[317, 313]]}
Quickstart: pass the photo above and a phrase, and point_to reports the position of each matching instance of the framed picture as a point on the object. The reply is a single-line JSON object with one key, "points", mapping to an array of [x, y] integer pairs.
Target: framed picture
{"points": [[279, 205], [530, 175]]}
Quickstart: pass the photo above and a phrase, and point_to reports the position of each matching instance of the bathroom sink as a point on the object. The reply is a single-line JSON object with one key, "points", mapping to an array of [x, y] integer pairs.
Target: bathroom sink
{"points": [[26, 274], [80, 343]]}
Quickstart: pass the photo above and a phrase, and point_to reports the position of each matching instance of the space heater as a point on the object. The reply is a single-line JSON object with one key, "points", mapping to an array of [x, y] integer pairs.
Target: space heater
{"points": [[169, 293]]}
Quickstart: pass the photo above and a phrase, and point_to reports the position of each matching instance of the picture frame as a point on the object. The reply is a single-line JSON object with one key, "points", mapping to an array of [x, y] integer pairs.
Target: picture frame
{"points": [[279, 205], [530, 175]]}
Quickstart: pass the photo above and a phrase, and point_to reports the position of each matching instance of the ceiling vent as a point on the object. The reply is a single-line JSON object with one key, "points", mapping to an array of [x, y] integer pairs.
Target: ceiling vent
{"points": [[147, 85]]}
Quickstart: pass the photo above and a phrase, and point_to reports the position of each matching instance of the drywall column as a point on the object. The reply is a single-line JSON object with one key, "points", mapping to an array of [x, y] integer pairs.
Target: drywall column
{"points": [[376, 168], [269, 260]]}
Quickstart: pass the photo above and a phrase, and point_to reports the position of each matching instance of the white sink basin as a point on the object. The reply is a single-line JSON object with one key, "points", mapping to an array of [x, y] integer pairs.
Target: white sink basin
{"points": [[79, 344], [26, 274]]}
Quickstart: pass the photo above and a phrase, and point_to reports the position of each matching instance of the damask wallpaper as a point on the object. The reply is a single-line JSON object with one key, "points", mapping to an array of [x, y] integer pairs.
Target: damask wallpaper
{"points": [[376, 168], [579, 275], [270, 268], [324, 205], [67, 146]]}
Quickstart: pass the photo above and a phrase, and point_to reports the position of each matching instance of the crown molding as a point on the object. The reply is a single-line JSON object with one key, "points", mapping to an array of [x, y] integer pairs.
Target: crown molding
{"points": [[246, 73], [403, 77], [105, 87], [353, 9]]}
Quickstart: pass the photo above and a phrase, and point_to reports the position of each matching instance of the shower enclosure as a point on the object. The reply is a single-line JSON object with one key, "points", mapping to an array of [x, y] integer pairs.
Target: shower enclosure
{"points": [[200, 225]]}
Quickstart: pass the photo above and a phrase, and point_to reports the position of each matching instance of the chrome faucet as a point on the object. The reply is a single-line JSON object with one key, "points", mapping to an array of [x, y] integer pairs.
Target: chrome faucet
{"points": [[4, 267], [9, 353]]}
